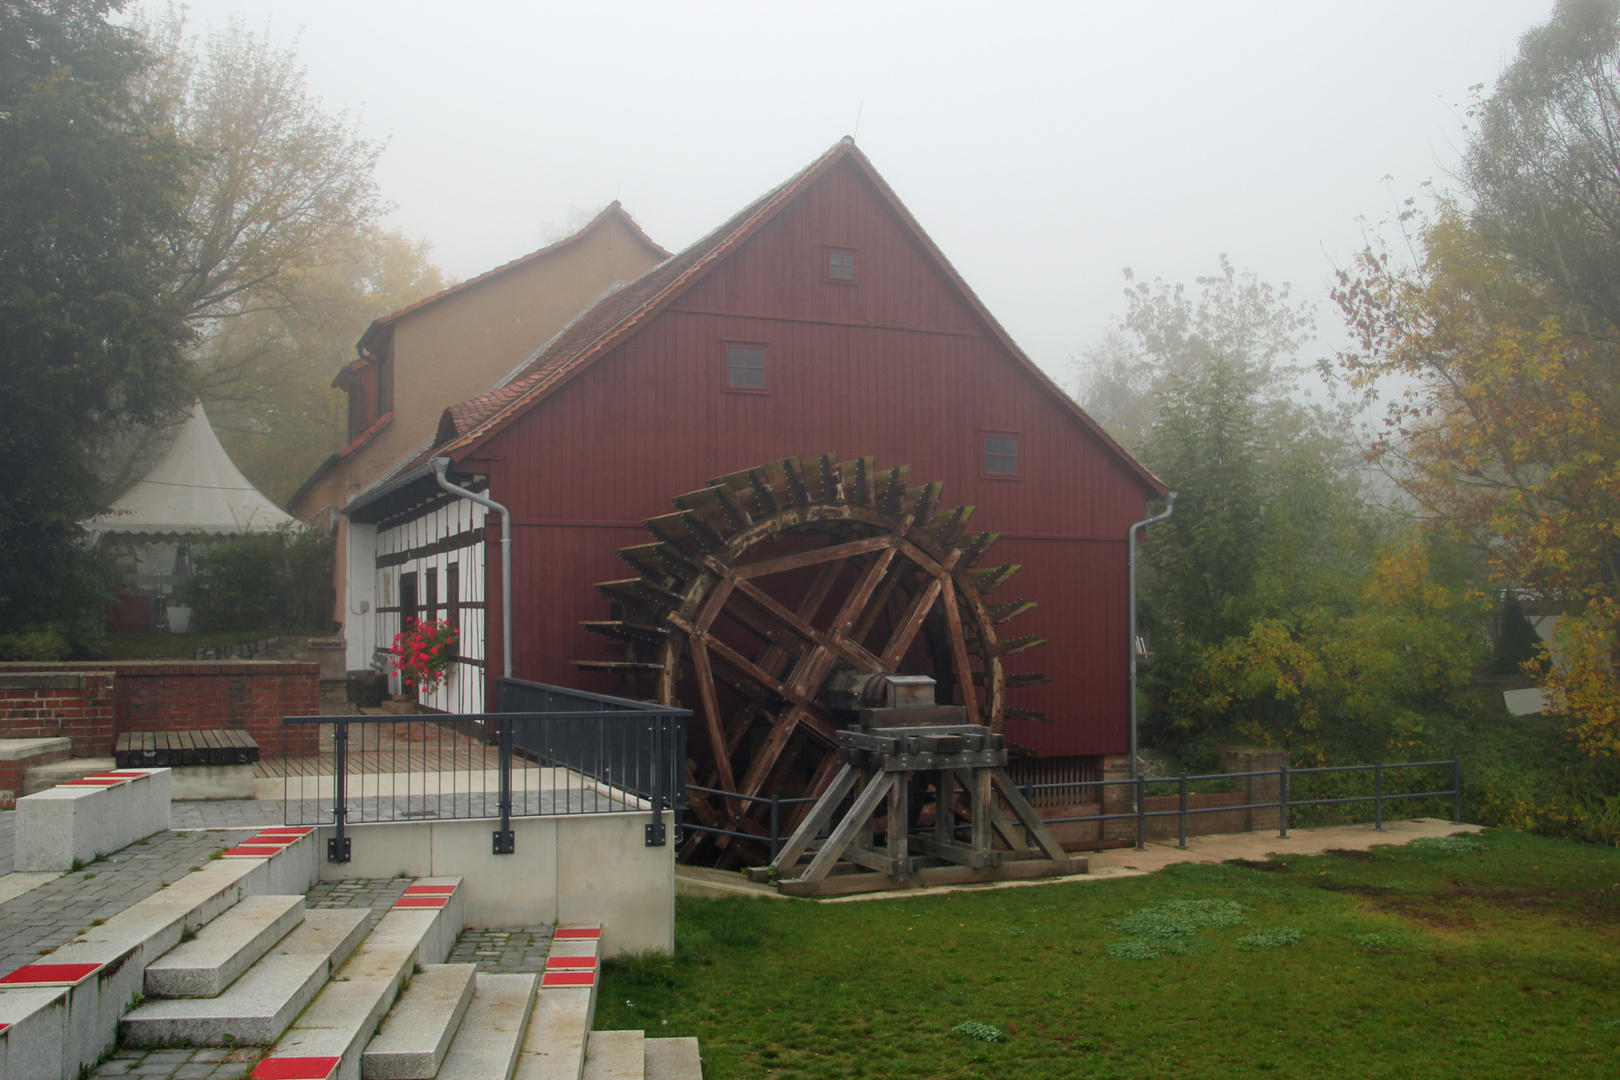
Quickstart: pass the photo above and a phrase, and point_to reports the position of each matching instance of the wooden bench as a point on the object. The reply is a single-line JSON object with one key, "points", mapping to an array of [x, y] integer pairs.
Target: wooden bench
{"points": [[173, 749]]}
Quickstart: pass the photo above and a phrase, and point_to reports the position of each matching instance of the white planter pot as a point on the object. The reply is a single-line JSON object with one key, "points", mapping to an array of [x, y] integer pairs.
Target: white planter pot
{"points": [[179, 619]]}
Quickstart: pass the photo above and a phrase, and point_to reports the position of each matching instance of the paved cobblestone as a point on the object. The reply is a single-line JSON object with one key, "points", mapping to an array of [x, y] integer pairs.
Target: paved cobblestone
{"points": [[504, 949], [208, 1064], [227, 814], [378, 894], [44, 919]]}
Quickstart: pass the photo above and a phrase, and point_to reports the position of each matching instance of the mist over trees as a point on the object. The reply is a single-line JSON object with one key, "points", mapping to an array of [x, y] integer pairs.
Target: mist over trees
{"points": [[179, 219]]}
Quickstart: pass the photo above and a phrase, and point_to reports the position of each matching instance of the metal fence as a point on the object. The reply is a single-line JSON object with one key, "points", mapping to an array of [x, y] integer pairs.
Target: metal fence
{"points": [[550, 751], [1378, 776]]}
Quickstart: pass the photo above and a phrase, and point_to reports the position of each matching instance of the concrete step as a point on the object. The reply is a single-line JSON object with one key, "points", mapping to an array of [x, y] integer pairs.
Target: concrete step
{"points": [[37, 778], [554, 1046], [673, 1059], [487, 1043], [256, 1008], [616, 1055], [325, 1043], [224, 949], [415, 1035]]}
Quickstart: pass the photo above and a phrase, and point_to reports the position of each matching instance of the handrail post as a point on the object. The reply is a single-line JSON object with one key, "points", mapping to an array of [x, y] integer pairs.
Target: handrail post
{"points": [[1282, 802], [1183, 844], [505, 840], [656, 834], [337, 846], [1456, 791], [776, 808], [1141, 813], [1378, 796]]}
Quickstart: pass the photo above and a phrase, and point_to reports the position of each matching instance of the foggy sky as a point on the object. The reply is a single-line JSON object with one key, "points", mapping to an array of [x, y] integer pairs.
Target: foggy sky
{"points": [[1043, 146]]}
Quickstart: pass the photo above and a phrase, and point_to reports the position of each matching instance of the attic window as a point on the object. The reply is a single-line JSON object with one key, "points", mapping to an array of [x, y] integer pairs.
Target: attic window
{"points": [[1001, 456], [745, 367], [840, 265]]}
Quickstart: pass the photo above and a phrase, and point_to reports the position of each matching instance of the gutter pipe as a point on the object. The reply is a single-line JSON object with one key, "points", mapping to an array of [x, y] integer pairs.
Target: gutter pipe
{"points": [[1169, 508], [440, 464]]}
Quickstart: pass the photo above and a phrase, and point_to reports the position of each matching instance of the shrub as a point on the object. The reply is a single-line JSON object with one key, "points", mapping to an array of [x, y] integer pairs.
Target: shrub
{"points": [[38, 643], [263, 581]]}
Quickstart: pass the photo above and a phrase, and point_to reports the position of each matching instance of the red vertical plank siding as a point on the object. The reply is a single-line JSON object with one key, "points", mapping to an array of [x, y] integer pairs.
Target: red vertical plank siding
{"points": [[896, 365]]}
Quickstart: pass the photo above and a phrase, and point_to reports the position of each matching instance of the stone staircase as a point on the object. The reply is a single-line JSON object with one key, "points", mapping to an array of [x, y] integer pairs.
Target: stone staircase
{"points": [[247, 965]]}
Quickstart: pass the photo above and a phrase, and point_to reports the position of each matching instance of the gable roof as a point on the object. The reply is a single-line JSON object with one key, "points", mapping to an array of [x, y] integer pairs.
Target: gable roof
{"points": [[613, 210], [620, 314], [194, 487]]}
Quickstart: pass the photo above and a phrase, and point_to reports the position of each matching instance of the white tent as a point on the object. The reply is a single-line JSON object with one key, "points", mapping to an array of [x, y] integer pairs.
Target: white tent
{"points": [[195, 488]]}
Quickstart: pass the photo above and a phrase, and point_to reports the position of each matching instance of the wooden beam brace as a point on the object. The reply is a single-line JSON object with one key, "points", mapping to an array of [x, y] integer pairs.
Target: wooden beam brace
{"points": [[820, 814], [844, 833]]}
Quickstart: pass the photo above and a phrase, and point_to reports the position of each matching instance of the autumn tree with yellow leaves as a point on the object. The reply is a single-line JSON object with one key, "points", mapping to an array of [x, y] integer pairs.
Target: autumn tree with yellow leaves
{"points": [[1502, 346]]}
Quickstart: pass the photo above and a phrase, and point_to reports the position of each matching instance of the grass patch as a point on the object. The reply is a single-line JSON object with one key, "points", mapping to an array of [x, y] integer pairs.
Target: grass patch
{"points": [[1499, 962]]}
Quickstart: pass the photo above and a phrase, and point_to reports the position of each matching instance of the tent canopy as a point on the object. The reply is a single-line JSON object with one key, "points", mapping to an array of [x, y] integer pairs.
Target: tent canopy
{"points": [[194, 488]]}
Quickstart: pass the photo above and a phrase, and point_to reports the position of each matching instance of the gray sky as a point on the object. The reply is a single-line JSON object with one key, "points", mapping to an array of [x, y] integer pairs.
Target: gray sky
{"points": [[1043, 146]]}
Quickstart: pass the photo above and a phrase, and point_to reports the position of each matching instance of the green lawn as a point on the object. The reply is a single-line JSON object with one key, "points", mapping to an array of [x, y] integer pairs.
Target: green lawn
{"points": [[1502, 960]]}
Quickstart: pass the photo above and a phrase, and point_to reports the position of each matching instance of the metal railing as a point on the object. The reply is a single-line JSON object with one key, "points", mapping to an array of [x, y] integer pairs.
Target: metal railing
{"points": [[550, 751], [1285, 802]]}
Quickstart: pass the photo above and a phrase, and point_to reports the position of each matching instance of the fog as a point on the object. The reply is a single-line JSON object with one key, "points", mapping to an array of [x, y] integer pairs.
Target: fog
{"points": [[1043, 146]]}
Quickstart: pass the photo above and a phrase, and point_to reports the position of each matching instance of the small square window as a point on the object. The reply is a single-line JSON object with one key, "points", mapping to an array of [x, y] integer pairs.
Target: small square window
{"points": [[841, 265], [745, 367], [1000, 455]]}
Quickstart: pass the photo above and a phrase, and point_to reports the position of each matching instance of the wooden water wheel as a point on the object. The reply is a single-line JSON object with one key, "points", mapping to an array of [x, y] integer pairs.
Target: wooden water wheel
{"points": [[768, 582]]}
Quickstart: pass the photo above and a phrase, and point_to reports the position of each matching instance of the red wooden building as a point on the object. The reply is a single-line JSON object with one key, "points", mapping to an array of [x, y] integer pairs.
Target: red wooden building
{"points": [[820, 318]]}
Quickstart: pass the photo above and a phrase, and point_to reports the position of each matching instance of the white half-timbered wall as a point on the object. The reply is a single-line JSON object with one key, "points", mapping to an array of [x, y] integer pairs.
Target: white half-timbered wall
{"points": [[429, 547]]}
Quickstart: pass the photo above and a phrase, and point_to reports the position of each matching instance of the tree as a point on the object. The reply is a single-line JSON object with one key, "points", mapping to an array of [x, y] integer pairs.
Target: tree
{"points": [[91, 329], [282, 264], [1248, 324]]}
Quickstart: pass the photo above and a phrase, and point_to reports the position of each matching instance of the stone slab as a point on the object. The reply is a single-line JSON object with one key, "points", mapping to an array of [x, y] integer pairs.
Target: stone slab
{"points": [[554, 1046], [345, 1014], [35, 1039], [22, 749], [415, 1035], [263, 1002], [674, 1059], [70, 825], [202, 783], [615, 1055], [225, 948], [39, 778], [491, 1034]]}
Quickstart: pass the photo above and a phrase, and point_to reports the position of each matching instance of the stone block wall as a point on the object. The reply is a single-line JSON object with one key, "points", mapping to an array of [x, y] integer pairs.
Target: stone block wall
{"points": [[160, 695]]}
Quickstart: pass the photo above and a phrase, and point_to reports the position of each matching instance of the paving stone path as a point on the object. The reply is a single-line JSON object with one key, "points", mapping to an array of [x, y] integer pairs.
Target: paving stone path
{"points": [[47, 917], [504, 950]]}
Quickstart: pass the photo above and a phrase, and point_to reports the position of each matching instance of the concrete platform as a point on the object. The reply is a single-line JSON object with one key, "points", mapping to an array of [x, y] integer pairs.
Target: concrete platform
{"points": [[415, 1036], [673, 1059], [260, 1005], [225, 948], [486, 1047]]}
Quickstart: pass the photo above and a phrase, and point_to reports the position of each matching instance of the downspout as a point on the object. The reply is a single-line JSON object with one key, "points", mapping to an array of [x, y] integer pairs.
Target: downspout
{"points": [[443, 463], [1169, 508]]}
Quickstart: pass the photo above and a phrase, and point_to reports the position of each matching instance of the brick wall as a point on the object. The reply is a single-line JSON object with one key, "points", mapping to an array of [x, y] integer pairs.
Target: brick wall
{"points": [[77, 705], [160, 695]]}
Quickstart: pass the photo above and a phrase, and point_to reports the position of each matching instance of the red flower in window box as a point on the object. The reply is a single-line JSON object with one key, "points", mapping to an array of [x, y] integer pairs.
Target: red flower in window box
{"points": [[423, 653]]}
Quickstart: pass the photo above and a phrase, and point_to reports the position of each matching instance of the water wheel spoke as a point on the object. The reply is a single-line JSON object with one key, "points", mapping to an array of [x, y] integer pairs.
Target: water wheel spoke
{"points": [[813, 557], [711, 713], [846, 650]]}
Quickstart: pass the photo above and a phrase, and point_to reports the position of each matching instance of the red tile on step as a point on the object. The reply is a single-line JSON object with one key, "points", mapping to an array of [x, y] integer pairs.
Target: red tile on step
{"points": [[295, 1068], [421, 901], [122, 774], [430, 890], [574, 933], [3, 1028], [49, 974], [94, 781], [246, 851], [553, 963], [568, 978], [269, 841]]}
